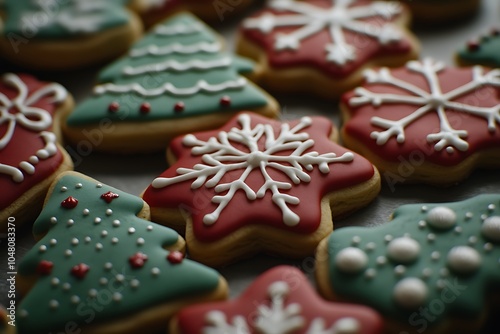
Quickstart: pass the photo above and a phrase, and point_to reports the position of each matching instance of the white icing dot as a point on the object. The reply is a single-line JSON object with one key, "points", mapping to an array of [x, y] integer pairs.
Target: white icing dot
{"points": [[458, 229], [109, 212], [410, 292], [79, 186], [104, 233], [98, 185], [370, 273], [88, 240], [116, 223], [53, 304], [149, 228], [370, 246], [103, 281], [131, 230], [54, 281], [469, 215], [347, 326], [120, 278], [491, 207], [42, 249], [488, 247], [491, 228], [463, 259], [66, 286], [351, 260], [117, 297], [92, 293], [68, 252], [450, 150], [422, 224], [424, 208], [75, 299], [426, 273], [134, 283], [98, 246], [64, 189], [53, 242], [75, 241], [70, 222], [431, 237], [155, 271], [435, 255], [441, 218], [34, 160], [472, 240], [440, 284], [381, 260], [108, 265], [86, 212], [140, 241], [114, 241], [399, 270], [53, 220], [355, 240], [388, 238], [97, 220], [444, 272], [404, 250]]}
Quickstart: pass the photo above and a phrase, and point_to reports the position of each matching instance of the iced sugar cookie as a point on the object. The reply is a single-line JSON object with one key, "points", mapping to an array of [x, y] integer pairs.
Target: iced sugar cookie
{"points": [[322, 46], [281, 301], [57, 35], [259, 185], [484, 50], [153, 11], [30, 156], [433, 268], [425, 122], [176, 80], [101, 267]]}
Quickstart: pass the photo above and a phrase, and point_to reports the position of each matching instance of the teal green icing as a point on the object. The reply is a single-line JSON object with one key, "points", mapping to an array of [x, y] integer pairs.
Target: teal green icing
{"points": [[63, 18], [249, 97], [487, 54], [173, 281], [462, 296]]}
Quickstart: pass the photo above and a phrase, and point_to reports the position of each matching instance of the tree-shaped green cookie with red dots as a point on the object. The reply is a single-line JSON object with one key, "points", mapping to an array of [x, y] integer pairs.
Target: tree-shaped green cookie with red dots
{"points": [[434, 268], [484, 50], [101, 267], [178, 79]]}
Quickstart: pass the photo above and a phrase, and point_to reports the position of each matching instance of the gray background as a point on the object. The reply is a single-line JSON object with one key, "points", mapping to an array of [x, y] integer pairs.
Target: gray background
{"points": [[134, 173]]}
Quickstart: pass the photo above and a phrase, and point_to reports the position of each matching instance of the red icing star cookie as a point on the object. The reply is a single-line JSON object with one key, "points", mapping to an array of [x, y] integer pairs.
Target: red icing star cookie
{"points": [[259, 185], [425, 122], [322, 46], [280, 301], [29, 154]]}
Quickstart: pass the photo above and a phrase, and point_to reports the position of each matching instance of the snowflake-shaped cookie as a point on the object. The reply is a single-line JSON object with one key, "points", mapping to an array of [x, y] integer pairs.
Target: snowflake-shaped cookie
{"points": [[442, 114], [432, 264], [280, 301], [257, 172]]}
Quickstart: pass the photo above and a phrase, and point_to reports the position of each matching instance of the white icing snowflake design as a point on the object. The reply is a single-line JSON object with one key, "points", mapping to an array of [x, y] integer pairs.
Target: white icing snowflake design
{"points": [[32, 118], [434, 101], [278, 318], [224, 153], [342, 16]]}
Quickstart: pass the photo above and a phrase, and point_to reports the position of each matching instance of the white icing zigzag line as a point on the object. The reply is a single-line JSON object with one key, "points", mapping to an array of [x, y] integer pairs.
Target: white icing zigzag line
{"points": [[173, 65], [201, 86], [336, 19], [448, 138], [154, 50], [179, 29], [221, 155]]}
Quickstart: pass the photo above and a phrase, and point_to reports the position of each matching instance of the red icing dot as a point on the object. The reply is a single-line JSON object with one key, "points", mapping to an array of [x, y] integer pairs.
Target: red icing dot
{"points": [[44, 268], [69, 203], [138, 260], [80, 270], [225, 101], [473, 45], [113, 107], [175, 257], [495, 31], [109, 196], [179, 107], [145, 108]]}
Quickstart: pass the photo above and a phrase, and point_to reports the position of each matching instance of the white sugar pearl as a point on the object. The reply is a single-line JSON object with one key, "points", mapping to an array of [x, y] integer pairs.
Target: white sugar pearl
{"points": [[351, 260], [463, 259], [410, 293], [442, 218], [491, 228], [403, 250]]}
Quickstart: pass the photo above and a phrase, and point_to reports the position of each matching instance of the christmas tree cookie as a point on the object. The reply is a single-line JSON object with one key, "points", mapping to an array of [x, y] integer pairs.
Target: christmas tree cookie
{"points": [[57, 35], [259, 185], [30, 156], [321, 47], [101, 267], [280, 301], [425, 122], [153, 11], [484, 51], [432, 269], [176, 80]]}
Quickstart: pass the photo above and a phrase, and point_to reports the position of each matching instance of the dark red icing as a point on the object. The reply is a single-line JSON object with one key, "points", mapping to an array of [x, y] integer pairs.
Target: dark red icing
{"points": [[225, 101], [69, 203], [193, 318], [145, 108], [80, 270], [44, 268], [311, 52], [473, 45], [24, 144], [109, 196], [175, 257], [240, 211], [138, 260], [179, 107], [479, 137], [113, 107]]}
